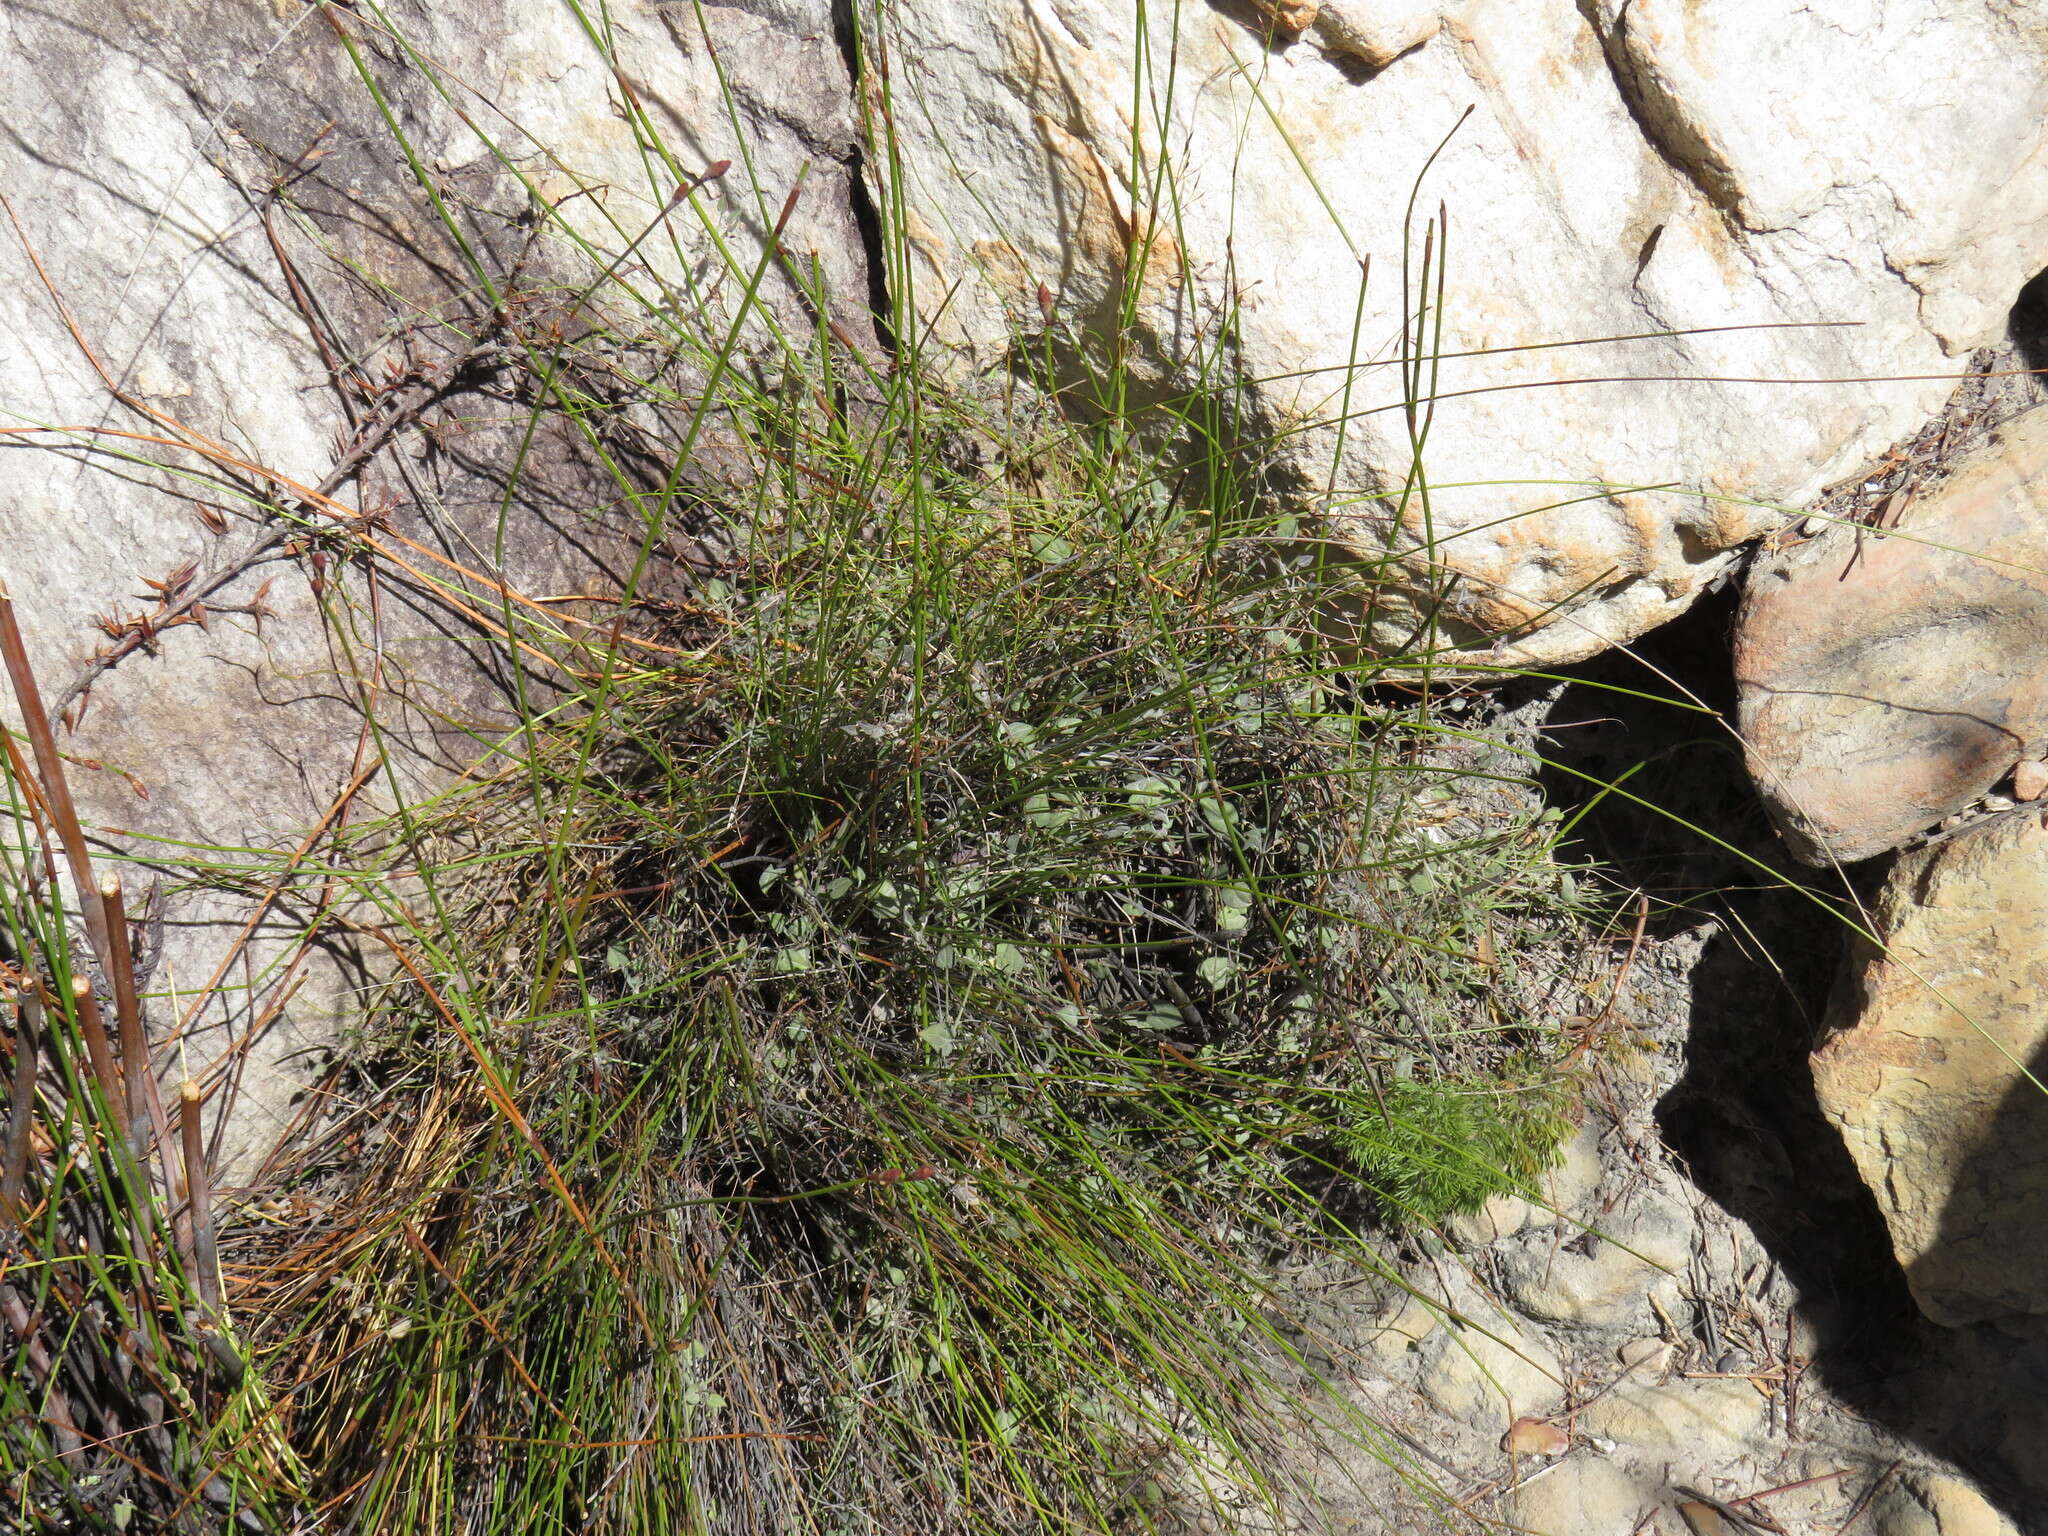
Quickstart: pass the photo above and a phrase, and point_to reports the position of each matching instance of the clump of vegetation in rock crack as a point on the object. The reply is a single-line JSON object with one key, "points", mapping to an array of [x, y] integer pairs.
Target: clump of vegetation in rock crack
{"points": [[865, 1052], [949, 977]]}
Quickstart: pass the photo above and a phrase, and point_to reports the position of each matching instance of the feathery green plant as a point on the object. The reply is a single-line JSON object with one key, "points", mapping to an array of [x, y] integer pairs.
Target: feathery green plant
{"points": [[1428, 1149]]}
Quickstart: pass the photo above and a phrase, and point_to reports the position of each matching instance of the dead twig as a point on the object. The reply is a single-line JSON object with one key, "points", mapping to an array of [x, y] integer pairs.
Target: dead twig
{"points": [[1754, 1519], [1804, 1482], [144, 1105], [1628, 961], [202, 1258], [21, 1101], [254, 920], [1794, 1370]]}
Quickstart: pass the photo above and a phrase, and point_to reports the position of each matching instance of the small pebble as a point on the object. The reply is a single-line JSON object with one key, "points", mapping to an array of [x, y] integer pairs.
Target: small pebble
{"points": [[1997, 803], [1654, 1354], [2030, 780], [1535, 1437]]}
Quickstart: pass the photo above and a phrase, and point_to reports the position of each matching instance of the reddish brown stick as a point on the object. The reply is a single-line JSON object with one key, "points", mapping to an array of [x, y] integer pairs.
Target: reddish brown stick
{"points": [[50, 768], [97, 1048]]}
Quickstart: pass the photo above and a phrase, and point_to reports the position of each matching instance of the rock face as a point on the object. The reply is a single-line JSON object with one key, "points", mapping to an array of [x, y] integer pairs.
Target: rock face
{"points": [[1606, 1275], [1926, 1075], [1888, 682], [1584, 1495], [177, 180], [1931, 1504], [1691, 1424], [1088, 178], [1480, 1376]]}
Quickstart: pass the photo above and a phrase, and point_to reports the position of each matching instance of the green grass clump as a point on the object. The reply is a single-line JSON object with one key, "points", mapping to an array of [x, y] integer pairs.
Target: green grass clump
{"points": [[873, 1039], [864, 1049], [1431, 1149], [935, 992], [125, 1400]]}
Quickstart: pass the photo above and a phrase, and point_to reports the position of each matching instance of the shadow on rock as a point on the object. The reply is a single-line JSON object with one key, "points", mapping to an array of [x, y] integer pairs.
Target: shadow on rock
{"points": [[1744, 1116], [1979, 1392]]}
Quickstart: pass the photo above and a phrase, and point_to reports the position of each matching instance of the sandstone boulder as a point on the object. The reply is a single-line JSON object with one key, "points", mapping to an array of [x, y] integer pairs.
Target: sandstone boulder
{"points": [[1886, 682], [1604, 1275], [1086, 178], [1931, 1072]]}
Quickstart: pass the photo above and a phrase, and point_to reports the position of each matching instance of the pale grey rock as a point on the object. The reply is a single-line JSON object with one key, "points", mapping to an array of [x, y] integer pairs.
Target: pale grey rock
{"points": [[1650, 1356], [1936, 1504], [141, 149], [1655, 167], [1491, 1373], [1371, 34], [1887, 683], [1583, 1496], [1501, 1216], [1693, 1425], [1925, 1070], [1603, 1277], [1395, 1340], [1569, 1187]]}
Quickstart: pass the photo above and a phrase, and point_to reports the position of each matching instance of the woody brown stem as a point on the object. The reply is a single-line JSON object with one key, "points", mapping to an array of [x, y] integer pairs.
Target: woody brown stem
{"points": [[144, 1105], [97, 1048], [50, 768], [199, 1203]]}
